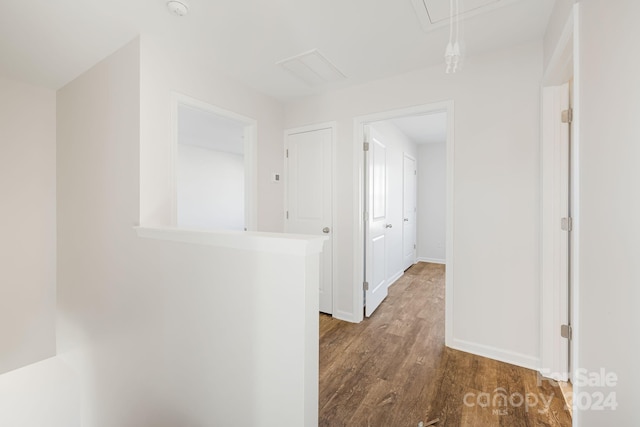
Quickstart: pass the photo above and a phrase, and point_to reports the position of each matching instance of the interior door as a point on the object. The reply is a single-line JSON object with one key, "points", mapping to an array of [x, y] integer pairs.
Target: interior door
{"points": [[409, 184], [556, 233], [309, 198], [563, 157], [376, 226]]}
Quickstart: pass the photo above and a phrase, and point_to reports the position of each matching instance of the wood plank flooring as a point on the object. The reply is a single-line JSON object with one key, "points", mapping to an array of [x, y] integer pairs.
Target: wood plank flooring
{"points": [[393, 370]]}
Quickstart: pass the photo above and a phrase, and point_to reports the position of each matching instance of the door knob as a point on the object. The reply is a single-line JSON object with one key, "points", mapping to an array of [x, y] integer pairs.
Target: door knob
{"points": [[389, 226], [326, 230], [406, 220]]}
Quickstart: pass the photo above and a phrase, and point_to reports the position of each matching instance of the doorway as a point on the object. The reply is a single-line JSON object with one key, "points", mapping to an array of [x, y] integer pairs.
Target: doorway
{"points": [[213, 168], [364, 206]]}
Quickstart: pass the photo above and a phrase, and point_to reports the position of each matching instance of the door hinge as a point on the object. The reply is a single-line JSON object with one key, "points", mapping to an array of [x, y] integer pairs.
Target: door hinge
{"points": [[566, 224], [414, 246], [566, 331], [415, 172], [286, 152], [567, 116], [365, 146], [365, 286], [287, 213]]}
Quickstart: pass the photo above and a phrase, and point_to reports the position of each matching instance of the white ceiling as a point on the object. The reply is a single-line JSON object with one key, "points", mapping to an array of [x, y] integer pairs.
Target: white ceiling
{"points": [[50, 42], [424, 129], [440, 10]]}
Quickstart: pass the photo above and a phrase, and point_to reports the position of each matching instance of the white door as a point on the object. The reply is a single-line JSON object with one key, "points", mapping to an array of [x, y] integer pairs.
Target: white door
{"points": [[556, 230], [409, 184], [376, 226], [309, 196]]}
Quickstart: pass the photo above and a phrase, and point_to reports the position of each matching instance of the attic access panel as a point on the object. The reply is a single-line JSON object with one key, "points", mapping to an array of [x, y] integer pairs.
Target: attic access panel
{"points": [[313, 68], [435, 13]]}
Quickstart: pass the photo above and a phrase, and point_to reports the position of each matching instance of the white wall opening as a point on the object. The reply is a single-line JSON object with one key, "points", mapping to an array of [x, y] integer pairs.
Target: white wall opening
{"points": [[406, 211], [360, 124], [214, 167]]}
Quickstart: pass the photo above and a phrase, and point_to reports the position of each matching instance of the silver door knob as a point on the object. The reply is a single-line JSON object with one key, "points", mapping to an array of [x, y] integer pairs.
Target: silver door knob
{"points": [[406, 220], [388, 226], [326, 230]]}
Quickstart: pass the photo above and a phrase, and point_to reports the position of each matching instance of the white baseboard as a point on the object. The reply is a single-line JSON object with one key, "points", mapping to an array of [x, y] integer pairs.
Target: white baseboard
{"points": [[343, 315], [505, 356], [432, 260], [395, 278]]}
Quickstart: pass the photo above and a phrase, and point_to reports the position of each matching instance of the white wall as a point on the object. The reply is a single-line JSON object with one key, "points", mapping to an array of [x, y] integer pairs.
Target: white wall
{"points": [[497, 102], [557, 21], [164, 71], [27, 224], [432, 202], [41, 394], [397, 145], [609, 232], [210, 189], [163, 333]]}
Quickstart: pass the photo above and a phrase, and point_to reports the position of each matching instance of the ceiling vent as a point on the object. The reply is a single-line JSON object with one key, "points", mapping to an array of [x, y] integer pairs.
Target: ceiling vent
{"points": [[434, 14], [312, 68]]}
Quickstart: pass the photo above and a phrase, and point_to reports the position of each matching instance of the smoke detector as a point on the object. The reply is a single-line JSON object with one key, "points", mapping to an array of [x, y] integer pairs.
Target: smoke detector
{"points": [[178, 8]]}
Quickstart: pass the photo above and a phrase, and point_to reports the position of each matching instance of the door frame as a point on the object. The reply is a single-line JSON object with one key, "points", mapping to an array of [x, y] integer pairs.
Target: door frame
{"points": [[405, 155], [250, 157], [358, 204], [564, 64], [285, 179], [555, 242]]}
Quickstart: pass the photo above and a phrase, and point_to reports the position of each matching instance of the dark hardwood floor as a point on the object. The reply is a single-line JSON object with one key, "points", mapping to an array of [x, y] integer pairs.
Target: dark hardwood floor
{"points": [[393, 370]]}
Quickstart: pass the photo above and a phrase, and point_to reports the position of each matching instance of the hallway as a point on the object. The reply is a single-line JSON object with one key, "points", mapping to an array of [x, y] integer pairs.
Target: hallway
{"points": [[392, 370]]}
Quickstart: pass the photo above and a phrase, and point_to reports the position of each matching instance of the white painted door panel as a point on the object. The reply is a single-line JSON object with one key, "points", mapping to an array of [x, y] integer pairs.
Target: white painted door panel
{"points": [[555, 355], [376, 227], [309, 198], [409, 184]]}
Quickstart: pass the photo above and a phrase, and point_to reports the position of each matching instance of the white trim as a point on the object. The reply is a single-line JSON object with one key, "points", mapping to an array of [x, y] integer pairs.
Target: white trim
{"points": [[250, 155], [395, 278], [449, 283], [173, 159], [575, 206], [495, 353], [415, 199], [358, 191], [333, 125], [554, 248], [279, 243], [432, 260], [343, 315]]}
